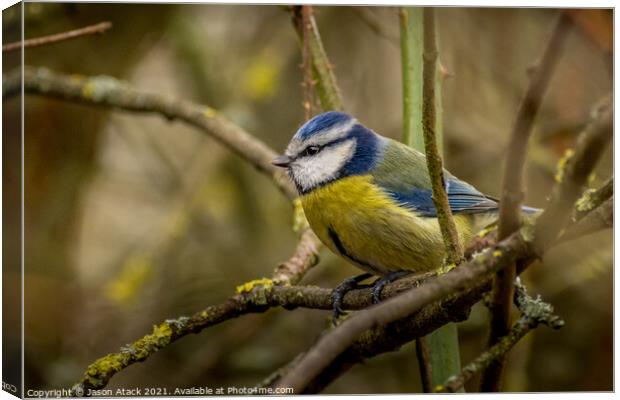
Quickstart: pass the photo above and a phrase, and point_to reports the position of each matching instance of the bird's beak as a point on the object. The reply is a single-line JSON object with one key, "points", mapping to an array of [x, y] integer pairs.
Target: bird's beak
{"points": [[282, 161]]}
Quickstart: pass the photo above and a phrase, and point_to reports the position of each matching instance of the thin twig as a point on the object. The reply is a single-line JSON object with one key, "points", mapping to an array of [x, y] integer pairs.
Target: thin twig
{"points": [[58, 37], [308, 82], [593, 198], [535, 312], [454, 249], [107, 91], [424, 362], [306, 256], [513, 189], [572, 176], [327, 89], [602, 217]]}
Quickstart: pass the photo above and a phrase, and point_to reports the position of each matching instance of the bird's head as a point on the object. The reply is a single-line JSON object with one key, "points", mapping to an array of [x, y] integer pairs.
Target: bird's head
{"points": [[329, 147]]}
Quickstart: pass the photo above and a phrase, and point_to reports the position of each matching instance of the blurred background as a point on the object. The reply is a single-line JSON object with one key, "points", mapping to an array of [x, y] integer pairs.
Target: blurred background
{"points": [[131, 219]]}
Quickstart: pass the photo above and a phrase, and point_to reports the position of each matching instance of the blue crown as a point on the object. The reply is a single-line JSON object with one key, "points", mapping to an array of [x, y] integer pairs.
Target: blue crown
{"points": [[322, 122]]}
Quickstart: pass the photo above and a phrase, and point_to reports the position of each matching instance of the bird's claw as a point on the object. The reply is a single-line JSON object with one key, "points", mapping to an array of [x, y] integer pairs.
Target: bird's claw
{"points": [[380, 283], [341, 290]]}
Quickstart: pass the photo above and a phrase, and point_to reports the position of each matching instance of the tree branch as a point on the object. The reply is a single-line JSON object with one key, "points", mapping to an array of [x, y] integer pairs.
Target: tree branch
{"points": [[467, 275], [535, 312], [454, 249], [306, 256], [327, 89], [307, 64], [573, 172], [252, 297], [58, 37], [513, 189], [424, 361], [443, 343], [260, 295], [592, 198], [602, 217], [107, 91]]}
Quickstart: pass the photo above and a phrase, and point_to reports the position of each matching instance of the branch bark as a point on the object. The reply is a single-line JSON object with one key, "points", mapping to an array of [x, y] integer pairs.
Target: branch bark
{"points": [[329, 94], [443, 343], [573, 173], [454, 249], [467, 275], [58, 37], [591, 199], [424, 362], [534, 312], [513, 190], [602, 217], [261, 295]]}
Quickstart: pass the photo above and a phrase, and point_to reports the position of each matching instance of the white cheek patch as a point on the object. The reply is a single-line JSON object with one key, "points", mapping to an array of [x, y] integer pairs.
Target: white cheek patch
{"points": [[309, 172]]}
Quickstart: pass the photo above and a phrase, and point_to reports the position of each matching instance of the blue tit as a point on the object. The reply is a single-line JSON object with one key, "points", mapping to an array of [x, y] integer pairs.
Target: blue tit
{"points": [[368, 197]]}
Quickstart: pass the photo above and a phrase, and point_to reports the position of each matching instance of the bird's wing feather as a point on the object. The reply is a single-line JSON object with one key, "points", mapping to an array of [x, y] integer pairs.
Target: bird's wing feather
{"points": [[462, 198], [403, 175]]}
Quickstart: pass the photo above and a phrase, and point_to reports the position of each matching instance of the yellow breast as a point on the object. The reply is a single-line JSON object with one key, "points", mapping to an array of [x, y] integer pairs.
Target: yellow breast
{"points": [[360, 222]]}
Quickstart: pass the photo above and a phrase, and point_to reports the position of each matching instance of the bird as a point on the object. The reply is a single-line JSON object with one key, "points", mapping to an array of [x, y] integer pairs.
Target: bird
{"points": [[368, 198]]}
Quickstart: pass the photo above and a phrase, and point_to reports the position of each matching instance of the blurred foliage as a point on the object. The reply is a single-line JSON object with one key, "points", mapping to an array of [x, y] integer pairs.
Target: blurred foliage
{"points": [[131, 219]]}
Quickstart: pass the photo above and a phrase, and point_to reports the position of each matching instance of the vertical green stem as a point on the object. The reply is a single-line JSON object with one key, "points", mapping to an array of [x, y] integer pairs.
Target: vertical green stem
{"points": [[411, 61], [443, 345]]}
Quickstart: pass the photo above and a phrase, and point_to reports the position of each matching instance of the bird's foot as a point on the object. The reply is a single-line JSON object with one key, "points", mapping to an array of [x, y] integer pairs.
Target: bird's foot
{"points": [[380, 283], [341, 290]]}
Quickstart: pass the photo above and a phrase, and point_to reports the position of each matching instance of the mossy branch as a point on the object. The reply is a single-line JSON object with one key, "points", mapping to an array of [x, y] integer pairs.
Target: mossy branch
{"points": [[534, 312], [261, 295], [574, 172], [602, 217], [592, 198], [454, 249]]}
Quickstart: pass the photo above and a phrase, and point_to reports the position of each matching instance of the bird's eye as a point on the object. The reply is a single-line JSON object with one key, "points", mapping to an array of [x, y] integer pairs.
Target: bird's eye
{"points": [[311, 150]]}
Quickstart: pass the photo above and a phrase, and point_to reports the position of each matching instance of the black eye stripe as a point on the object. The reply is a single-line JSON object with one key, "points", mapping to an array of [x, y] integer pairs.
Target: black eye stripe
{"points": [[304, 152]]}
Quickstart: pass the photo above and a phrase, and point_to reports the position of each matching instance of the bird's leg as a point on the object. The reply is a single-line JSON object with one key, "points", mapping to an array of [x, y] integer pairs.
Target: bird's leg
{"points": [[338, 293], [380, 283]]}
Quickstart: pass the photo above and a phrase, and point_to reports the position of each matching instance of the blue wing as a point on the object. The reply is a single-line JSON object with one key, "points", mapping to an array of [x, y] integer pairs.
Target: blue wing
{"points": [[402, 174], [462, 197]]}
